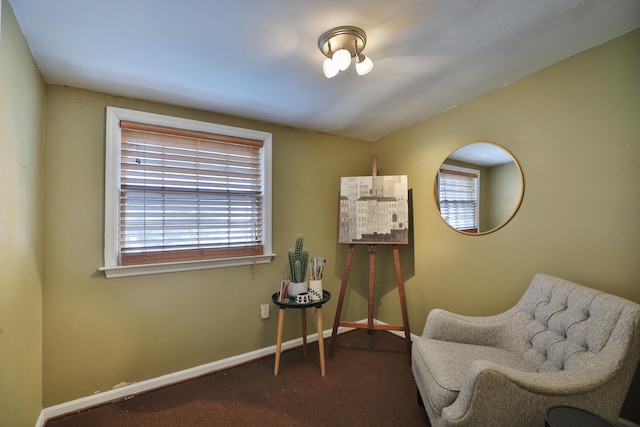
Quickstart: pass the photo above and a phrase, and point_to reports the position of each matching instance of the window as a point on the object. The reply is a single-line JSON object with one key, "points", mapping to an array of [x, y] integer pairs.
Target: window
{"points": [[458, 197], [182, 195]]}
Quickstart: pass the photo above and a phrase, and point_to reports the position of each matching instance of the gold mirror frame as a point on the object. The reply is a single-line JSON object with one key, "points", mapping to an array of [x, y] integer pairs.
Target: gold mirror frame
{"points": [[500, 176]]}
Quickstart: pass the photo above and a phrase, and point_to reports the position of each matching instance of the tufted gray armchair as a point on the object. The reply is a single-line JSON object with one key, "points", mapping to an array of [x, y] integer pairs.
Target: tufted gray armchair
{"points": [[561, 344]]}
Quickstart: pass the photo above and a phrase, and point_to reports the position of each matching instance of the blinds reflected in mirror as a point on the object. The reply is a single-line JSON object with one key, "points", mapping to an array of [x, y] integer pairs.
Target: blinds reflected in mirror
{"points": [[458, 198]]}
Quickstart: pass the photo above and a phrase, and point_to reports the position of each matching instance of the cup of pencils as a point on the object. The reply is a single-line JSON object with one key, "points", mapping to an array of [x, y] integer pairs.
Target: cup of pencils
{"points": [[316, 267]]}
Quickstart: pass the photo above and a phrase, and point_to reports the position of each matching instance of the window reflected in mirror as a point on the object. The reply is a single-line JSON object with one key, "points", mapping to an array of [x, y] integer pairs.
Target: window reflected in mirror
{"points": [[479, 188]]}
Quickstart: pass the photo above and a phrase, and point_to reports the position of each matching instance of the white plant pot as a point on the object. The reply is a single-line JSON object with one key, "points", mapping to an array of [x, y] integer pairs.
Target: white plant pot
{"points": [[297, 288]]}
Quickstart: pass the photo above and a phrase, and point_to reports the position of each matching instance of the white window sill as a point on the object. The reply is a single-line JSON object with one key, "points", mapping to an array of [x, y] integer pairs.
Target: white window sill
{"points": [[115, 271]]}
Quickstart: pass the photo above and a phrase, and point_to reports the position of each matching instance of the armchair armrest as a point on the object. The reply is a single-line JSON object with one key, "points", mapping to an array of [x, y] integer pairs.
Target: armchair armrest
{"points": [[530, 392], [487, 330]]}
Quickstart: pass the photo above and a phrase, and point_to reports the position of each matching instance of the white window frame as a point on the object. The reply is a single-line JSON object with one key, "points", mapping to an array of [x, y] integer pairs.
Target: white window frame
{"points": [[111, 267]]}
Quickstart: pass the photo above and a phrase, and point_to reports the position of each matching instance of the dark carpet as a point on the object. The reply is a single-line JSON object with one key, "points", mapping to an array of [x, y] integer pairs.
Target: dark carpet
{"points": [[368, 382]]}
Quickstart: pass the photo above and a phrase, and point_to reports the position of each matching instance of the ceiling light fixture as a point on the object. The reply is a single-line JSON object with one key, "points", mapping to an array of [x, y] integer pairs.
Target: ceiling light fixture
{"points": [[339, 45]]}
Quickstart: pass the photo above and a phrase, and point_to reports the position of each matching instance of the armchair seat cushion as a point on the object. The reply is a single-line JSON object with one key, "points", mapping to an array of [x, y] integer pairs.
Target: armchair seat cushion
{"points": [[443, 365]]}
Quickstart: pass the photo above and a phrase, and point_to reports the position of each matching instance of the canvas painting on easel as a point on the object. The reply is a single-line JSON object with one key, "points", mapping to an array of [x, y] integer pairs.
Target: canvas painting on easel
{"points": [[374, 209]]}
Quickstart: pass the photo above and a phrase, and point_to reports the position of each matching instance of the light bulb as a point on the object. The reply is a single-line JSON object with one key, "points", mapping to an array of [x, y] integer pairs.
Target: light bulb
{"points": [[342, 58], [364, 64], [329, 68]]}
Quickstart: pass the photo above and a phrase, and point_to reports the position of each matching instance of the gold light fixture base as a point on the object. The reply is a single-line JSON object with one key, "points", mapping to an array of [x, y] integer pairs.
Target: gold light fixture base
{"points": [[352, 39]]}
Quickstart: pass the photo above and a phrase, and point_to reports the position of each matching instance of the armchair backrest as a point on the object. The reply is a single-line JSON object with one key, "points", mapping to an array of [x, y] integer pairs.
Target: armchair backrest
{"points": [[560, 325]]}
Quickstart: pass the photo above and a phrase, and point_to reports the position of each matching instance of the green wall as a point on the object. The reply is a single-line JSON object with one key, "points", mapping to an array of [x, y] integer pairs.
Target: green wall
{"points": [[504, 193], [575, 130], [100, 332], [21, 189]]}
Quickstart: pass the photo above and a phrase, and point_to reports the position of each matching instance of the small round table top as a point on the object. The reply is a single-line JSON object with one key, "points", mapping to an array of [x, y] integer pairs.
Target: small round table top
{"points": [[567, 416], [290, 303]]}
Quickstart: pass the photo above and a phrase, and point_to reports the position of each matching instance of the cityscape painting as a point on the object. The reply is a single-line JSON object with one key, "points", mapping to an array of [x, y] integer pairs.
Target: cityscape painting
{"points": [[374, 209]]}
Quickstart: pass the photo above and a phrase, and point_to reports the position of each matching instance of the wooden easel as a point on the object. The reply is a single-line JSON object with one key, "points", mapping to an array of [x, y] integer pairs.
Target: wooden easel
{"points": [[370, 326]]}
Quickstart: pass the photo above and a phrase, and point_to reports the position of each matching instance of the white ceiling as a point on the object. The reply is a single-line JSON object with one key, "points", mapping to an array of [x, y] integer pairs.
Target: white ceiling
{"points": [[259, 58], [482, 154]]}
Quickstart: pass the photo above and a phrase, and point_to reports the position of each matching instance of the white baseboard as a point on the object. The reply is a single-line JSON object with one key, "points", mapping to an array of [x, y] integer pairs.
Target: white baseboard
{"points": [[130, 390], [625, 423], [41, 419]]}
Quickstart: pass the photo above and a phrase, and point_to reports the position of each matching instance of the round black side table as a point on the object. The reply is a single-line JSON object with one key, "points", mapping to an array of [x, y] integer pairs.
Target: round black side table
{"points": [[567, 416], [283, 305]]}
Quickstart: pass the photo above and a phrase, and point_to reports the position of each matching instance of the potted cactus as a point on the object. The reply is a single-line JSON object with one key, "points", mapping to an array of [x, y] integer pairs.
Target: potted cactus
{"points": [[298, 264]]}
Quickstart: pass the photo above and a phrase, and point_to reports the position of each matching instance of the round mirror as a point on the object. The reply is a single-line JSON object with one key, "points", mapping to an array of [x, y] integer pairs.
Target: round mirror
{"points": [[479, 188]]}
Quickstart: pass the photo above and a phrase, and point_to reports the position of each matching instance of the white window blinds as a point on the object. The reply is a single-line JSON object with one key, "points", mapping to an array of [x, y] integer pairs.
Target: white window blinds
{"points": [[188, 195], [458, 199]]}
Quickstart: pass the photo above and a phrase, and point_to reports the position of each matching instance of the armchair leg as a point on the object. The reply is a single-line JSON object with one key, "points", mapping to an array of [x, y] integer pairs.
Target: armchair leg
{"points": [[419, 396]]}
